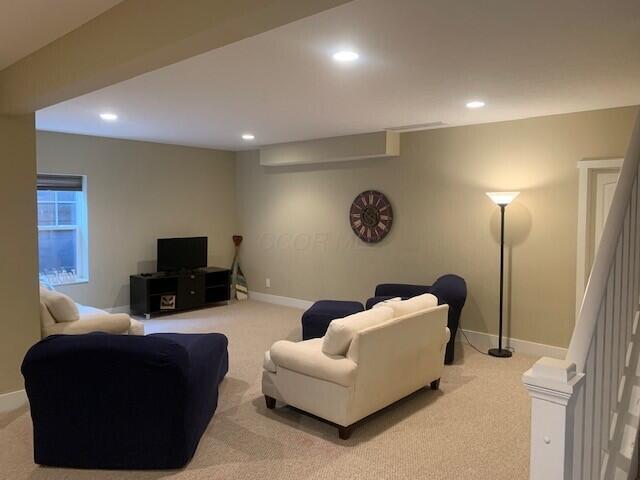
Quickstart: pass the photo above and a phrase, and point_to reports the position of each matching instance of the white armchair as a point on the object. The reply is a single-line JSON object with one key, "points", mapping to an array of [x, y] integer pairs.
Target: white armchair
{"points": [[59, 314], [365, 362]]}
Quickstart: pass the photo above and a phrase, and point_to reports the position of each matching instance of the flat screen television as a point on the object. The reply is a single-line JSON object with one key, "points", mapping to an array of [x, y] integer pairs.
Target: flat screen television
{"points": [[182, 253]]}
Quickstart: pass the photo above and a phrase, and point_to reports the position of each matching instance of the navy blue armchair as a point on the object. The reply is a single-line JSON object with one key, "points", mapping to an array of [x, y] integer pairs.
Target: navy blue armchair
{"points": [[122, 402], [449, 289]]}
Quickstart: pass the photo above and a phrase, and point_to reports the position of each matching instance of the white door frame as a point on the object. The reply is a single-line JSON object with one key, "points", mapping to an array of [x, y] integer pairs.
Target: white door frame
{"points": [[586, 170]]}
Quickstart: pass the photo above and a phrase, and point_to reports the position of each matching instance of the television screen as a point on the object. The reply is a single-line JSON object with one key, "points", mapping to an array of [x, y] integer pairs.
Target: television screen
{"points": [[182, 253]]}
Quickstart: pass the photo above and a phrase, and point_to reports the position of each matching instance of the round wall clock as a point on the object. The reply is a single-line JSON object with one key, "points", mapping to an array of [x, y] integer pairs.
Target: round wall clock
{"points": [[371, 216]]}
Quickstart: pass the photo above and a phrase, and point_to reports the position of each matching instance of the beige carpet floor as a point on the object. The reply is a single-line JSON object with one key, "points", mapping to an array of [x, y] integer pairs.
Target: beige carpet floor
{"points": [[475, 427]]}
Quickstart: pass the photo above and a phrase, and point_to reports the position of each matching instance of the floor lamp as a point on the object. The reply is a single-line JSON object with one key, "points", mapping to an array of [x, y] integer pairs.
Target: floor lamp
{"points": [[502, 199]]}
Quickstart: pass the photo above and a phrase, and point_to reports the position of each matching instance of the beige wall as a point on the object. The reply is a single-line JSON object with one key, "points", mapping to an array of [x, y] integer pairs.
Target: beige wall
{"points": [[19, 323], [296, 229], [138, 192], [129, 44]]}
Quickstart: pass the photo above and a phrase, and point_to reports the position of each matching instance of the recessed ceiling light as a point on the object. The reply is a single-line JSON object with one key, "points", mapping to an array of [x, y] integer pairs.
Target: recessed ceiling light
{"points": [[475, 104], [109, 117], [248, 136], [345, 56]]}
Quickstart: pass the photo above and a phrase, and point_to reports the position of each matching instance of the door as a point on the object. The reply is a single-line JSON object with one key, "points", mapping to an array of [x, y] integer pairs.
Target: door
{"points": [[605, 185], [597, 184]]}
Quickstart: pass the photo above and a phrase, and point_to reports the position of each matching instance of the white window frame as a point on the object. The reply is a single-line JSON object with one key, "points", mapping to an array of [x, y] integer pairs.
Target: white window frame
{"points": [[81, 228]]}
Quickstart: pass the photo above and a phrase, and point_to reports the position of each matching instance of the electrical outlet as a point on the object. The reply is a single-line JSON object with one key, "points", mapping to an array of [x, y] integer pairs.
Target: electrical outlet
{"points": [[267, 283]]}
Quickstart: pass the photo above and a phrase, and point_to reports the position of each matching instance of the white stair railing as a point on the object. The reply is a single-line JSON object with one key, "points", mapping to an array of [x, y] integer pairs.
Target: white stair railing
{"points": [[585, 410]]}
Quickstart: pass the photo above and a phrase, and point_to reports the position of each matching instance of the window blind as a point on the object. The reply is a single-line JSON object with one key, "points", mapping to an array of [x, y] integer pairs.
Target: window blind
{"points": [[63, 183]]}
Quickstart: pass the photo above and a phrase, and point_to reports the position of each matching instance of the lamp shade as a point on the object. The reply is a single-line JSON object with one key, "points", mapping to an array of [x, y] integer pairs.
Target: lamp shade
{"points": [[502, 198]]}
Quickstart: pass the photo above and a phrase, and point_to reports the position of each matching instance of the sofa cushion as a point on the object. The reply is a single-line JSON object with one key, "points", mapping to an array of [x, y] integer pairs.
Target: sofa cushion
{"points": [[385, 302], [412, 305], [341, 331], [62, 308]]}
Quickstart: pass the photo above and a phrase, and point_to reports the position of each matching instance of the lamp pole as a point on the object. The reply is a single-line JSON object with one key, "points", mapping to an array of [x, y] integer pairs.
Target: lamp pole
{"points": [[500, 352]]}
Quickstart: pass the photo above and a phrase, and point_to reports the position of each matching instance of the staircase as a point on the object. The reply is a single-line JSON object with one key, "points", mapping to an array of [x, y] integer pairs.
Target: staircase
{"points": [[623, 462], [586, 409]]}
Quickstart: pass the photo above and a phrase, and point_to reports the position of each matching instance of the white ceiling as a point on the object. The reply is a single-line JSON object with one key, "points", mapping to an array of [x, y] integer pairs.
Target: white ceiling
{"points": [[28, 25], [420, 61]]}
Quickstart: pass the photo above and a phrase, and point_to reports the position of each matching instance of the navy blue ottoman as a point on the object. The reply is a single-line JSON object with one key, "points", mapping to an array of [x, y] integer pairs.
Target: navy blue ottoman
{"points": [[122, 401], [316, 320]]}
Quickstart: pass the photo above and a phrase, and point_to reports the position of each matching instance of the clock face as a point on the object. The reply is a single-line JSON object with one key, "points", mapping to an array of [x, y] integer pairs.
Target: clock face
{"points": [[371, 216]]}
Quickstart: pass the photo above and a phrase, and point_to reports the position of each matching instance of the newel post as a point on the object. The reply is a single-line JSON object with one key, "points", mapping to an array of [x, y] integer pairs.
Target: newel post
{"points": [[554, 387]]}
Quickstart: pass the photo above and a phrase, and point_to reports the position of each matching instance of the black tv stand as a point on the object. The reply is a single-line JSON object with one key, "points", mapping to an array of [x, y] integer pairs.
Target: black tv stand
{"points": [[170, 292]]}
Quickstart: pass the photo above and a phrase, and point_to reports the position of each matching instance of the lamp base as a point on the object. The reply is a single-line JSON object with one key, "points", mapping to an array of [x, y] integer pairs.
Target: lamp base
{"points": [[500, 352]]}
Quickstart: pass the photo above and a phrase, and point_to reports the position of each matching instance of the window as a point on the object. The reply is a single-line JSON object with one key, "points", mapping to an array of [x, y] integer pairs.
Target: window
{"points": [[62, 229]]}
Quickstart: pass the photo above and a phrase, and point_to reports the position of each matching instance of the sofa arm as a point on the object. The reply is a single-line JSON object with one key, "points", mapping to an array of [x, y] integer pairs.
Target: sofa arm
{"points": [[205, 350], [308, 359], [117, 323], [136, 327]]}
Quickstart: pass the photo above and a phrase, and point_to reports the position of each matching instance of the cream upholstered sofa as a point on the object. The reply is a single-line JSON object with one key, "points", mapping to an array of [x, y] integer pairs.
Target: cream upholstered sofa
{"points": [[60, 314], [364, 362]]}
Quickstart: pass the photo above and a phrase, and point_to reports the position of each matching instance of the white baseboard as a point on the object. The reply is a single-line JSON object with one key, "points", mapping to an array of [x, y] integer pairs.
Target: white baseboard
{"points": [[12, 400], [485, 341], [278, 300]]}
